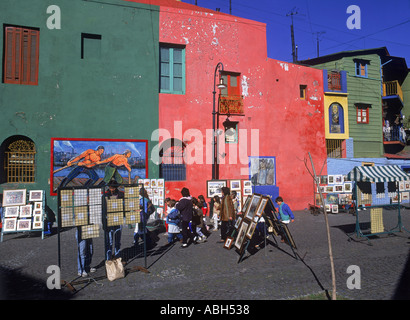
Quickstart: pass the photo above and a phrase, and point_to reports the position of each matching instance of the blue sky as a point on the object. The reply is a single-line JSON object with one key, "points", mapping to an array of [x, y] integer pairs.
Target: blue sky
{"points": [[382, 24]]}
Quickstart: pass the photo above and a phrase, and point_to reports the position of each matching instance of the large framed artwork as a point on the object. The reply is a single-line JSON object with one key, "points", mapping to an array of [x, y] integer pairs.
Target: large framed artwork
{"points": [[94, 162], [262, 171], [15, 197], [214, 187]]}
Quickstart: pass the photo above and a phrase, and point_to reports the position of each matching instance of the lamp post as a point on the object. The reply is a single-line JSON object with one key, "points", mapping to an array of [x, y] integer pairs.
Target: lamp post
{"points": [[221, 85]]}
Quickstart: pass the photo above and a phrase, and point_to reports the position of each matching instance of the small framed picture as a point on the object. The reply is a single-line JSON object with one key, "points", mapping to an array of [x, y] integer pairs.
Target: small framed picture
{"points": [[25, 211], [9, 224], [247, 183], [347, 187], [37, 221], [238, 222], [251, 229], [23, 224], [247, 191], [38, 206], [14, 197], [235, 185], [335, 208], [160, 183], [35, 195], [11, 212], [228, 243]]}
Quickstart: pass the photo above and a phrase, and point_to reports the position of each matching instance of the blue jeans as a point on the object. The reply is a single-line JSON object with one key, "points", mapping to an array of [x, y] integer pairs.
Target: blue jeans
{"points": [[171, 237], [113, 237], [85, 252]]}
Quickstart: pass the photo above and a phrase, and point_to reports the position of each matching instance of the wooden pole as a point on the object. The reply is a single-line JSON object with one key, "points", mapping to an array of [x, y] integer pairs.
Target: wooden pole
{"points": [[332, 267]]}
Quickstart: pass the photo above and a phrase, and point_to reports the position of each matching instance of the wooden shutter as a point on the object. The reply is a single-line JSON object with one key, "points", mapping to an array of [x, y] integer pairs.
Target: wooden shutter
{"points": [[21, 56]]}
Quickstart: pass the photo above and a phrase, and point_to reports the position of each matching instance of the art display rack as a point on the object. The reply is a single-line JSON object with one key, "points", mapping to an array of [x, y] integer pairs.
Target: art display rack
{"points": [[255, 207], [90, 210], [25, 219]]}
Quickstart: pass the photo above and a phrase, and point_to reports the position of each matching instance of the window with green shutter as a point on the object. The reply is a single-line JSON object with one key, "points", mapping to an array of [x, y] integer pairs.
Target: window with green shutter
{"points": [[172, 69]]}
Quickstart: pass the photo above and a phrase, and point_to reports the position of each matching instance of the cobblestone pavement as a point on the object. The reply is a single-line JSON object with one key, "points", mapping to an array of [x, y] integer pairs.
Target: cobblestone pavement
{"points": [[208, 271]]}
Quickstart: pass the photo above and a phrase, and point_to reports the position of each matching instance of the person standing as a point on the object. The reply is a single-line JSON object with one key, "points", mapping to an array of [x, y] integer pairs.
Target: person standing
{"points": [[113, 233], [227, 214], [185, 207], [216, 210], [285, 213]]}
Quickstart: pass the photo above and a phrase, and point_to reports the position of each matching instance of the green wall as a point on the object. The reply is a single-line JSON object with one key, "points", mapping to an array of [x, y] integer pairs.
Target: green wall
{"points": [[111, 95]]}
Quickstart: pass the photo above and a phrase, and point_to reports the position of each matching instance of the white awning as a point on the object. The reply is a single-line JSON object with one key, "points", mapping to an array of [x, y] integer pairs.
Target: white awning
{"points": [[378, 174]]}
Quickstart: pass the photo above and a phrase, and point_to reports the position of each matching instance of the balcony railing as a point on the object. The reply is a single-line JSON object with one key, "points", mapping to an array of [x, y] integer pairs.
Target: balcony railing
{"points": [[333, 81], [392, 88]]}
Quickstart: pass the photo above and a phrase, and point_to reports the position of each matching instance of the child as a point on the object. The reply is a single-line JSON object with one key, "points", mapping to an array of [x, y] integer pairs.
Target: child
{"points": [[198, 219], [216, 211], [204, 207], [173, 220], [285, 214]]}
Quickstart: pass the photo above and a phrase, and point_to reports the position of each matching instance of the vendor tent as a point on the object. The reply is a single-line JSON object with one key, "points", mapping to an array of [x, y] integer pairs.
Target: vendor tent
{"points": [[378, 174]]}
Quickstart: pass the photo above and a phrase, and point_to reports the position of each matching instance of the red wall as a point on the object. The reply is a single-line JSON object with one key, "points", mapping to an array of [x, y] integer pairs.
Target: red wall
{"points": [[288, 127]]}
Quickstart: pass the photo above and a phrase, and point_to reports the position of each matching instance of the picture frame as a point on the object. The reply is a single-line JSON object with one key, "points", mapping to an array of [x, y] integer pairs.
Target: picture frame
{"points": [[246, 183], [37, 221], [15, 197], [214, 187], [35, 195], [241, 235], [335, 208], [261, 207], [26, 211], [235, 185], [228, 243], [23, 224], [238, 222], [251, 211], [347, 187], [9, 224], [247, 191], [11, 212], [251, 229], [338, 188], [38, 206]]}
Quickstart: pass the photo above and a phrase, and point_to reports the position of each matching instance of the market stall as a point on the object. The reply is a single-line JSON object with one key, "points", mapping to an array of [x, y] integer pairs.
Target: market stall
{"points": [[377, 196]]}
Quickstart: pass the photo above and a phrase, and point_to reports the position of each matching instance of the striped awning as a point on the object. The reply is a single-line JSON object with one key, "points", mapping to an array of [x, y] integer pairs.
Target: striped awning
{"points": [[378, 174]]}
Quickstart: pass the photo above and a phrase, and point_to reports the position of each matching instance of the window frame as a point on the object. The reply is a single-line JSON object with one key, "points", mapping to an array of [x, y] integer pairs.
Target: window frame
{"points": [[361, 109], [302, 91], [20, 66], [171, 64], [361, 65]]}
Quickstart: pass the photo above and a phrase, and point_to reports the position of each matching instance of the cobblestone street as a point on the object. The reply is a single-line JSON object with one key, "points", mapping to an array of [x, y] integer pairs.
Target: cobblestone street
{"points": [[208, 271]]}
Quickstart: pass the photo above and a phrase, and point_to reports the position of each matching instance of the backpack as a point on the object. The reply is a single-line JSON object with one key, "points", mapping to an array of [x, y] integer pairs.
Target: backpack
{"points": [[173, 216]]}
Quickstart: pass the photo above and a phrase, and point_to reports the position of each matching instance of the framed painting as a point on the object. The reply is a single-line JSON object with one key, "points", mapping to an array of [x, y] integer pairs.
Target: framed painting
{"points": [[261, 207], [35, 195], [92, 162], [23, 224], [228, 243], [214, 187], [10, 224], [250, 213], [25, 211], [251, 229], [11, 212], [235, 185], [241, 235], [262, 171], [15, 197]]}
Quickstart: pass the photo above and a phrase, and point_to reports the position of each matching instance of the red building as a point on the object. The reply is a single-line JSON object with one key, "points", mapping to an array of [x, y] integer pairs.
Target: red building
{"points": [[275, 108]]}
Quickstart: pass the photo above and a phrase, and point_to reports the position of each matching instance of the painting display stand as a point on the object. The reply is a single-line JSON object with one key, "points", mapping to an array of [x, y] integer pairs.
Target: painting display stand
{"points": [[255, 207], [90, 210], [23, 211]]}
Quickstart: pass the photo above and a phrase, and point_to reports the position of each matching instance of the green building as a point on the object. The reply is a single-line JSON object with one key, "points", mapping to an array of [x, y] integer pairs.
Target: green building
{"points": [[75, 71], [374, 81]]}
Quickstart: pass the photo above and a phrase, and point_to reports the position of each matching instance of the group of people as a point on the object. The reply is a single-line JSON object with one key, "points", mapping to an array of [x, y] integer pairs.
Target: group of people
{"points": [[186, 217], [185, 222]]}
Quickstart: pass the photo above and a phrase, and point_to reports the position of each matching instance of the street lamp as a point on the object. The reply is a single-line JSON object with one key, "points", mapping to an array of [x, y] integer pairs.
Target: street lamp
{"points": [[220, 86]]}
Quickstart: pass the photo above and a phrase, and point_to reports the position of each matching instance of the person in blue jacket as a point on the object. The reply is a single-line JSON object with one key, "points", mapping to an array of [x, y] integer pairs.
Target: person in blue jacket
{"points": [[285, 213]]}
